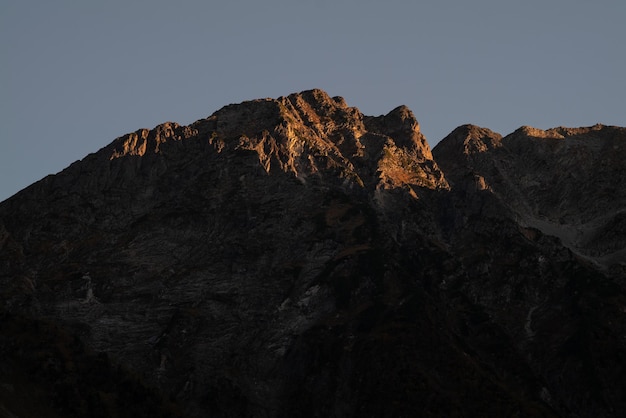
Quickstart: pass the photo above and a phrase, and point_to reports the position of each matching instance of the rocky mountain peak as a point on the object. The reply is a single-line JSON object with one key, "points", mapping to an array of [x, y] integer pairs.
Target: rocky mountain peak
{"points": [[562, 181], [469, 140], [401, 124], [308, 134], [463, 154], [294, 257]]}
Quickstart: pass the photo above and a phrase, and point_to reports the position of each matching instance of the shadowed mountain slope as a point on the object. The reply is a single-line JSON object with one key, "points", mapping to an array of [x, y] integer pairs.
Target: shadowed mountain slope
{"points": [[293, 257]]}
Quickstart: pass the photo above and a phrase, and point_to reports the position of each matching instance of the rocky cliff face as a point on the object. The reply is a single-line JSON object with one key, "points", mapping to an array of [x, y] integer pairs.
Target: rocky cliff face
{"points": [[295, 257], [564, 182]]}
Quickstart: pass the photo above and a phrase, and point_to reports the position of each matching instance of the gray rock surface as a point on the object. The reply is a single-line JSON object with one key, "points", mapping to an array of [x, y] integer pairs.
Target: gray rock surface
{"points": [[293, 257]]}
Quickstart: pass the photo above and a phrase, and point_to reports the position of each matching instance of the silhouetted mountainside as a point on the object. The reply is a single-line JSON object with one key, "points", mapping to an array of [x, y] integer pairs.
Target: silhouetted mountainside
{"points": [[293, 257]]}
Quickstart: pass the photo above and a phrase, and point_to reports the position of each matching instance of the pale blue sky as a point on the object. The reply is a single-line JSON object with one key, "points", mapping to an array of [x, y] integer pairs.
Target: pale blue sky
{"points": [[75, 75]]}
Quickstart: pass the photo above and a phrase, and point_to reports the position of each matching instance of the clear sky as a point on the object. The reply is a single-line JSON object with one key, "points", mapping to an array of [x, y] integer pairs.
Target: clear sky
{"points": [[74, 75]]}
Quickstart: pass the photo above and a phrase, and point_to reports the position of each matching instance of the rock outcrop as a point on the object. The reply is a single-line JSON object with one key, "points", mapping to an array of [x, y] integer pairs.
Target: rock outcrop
{"points": [[292, 256], [564, 182]]}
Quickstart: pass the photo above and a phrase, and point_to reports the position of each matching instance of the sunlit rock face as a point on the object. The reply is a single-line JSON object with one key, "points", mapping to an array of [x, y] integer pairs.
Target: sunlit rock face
{"points": [[294, 257]]}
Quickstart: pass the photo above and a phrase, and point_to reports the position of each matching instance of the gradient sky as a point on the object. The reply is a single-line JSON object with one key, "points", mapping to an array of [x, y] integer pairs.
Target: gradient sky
{"points": [[74, 75]]}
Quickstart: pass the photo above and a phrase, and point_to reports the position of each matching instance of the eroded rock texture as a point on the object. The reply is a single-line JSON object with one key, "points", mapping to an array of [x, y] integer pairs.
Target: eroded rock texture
{"points": [[293, 257]]}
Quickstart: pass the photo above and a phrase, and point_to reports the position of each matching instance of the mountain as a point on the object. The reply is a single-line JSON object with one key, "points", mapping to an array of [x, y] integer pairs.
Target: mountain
{"points": [[294, 257]]}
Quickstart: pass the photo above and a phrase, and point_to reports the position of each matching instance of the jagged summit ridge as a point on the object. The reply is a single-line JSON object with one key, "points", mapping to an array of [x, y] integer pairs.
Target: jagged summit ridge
{"points": [[306, 134], [562, 181]]}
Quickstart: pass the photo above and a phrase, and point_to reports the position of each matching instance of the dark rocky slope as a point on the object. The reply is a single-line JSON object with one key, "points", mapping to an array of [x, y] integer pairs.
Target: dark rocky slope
{"points": [[293, 257]]}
